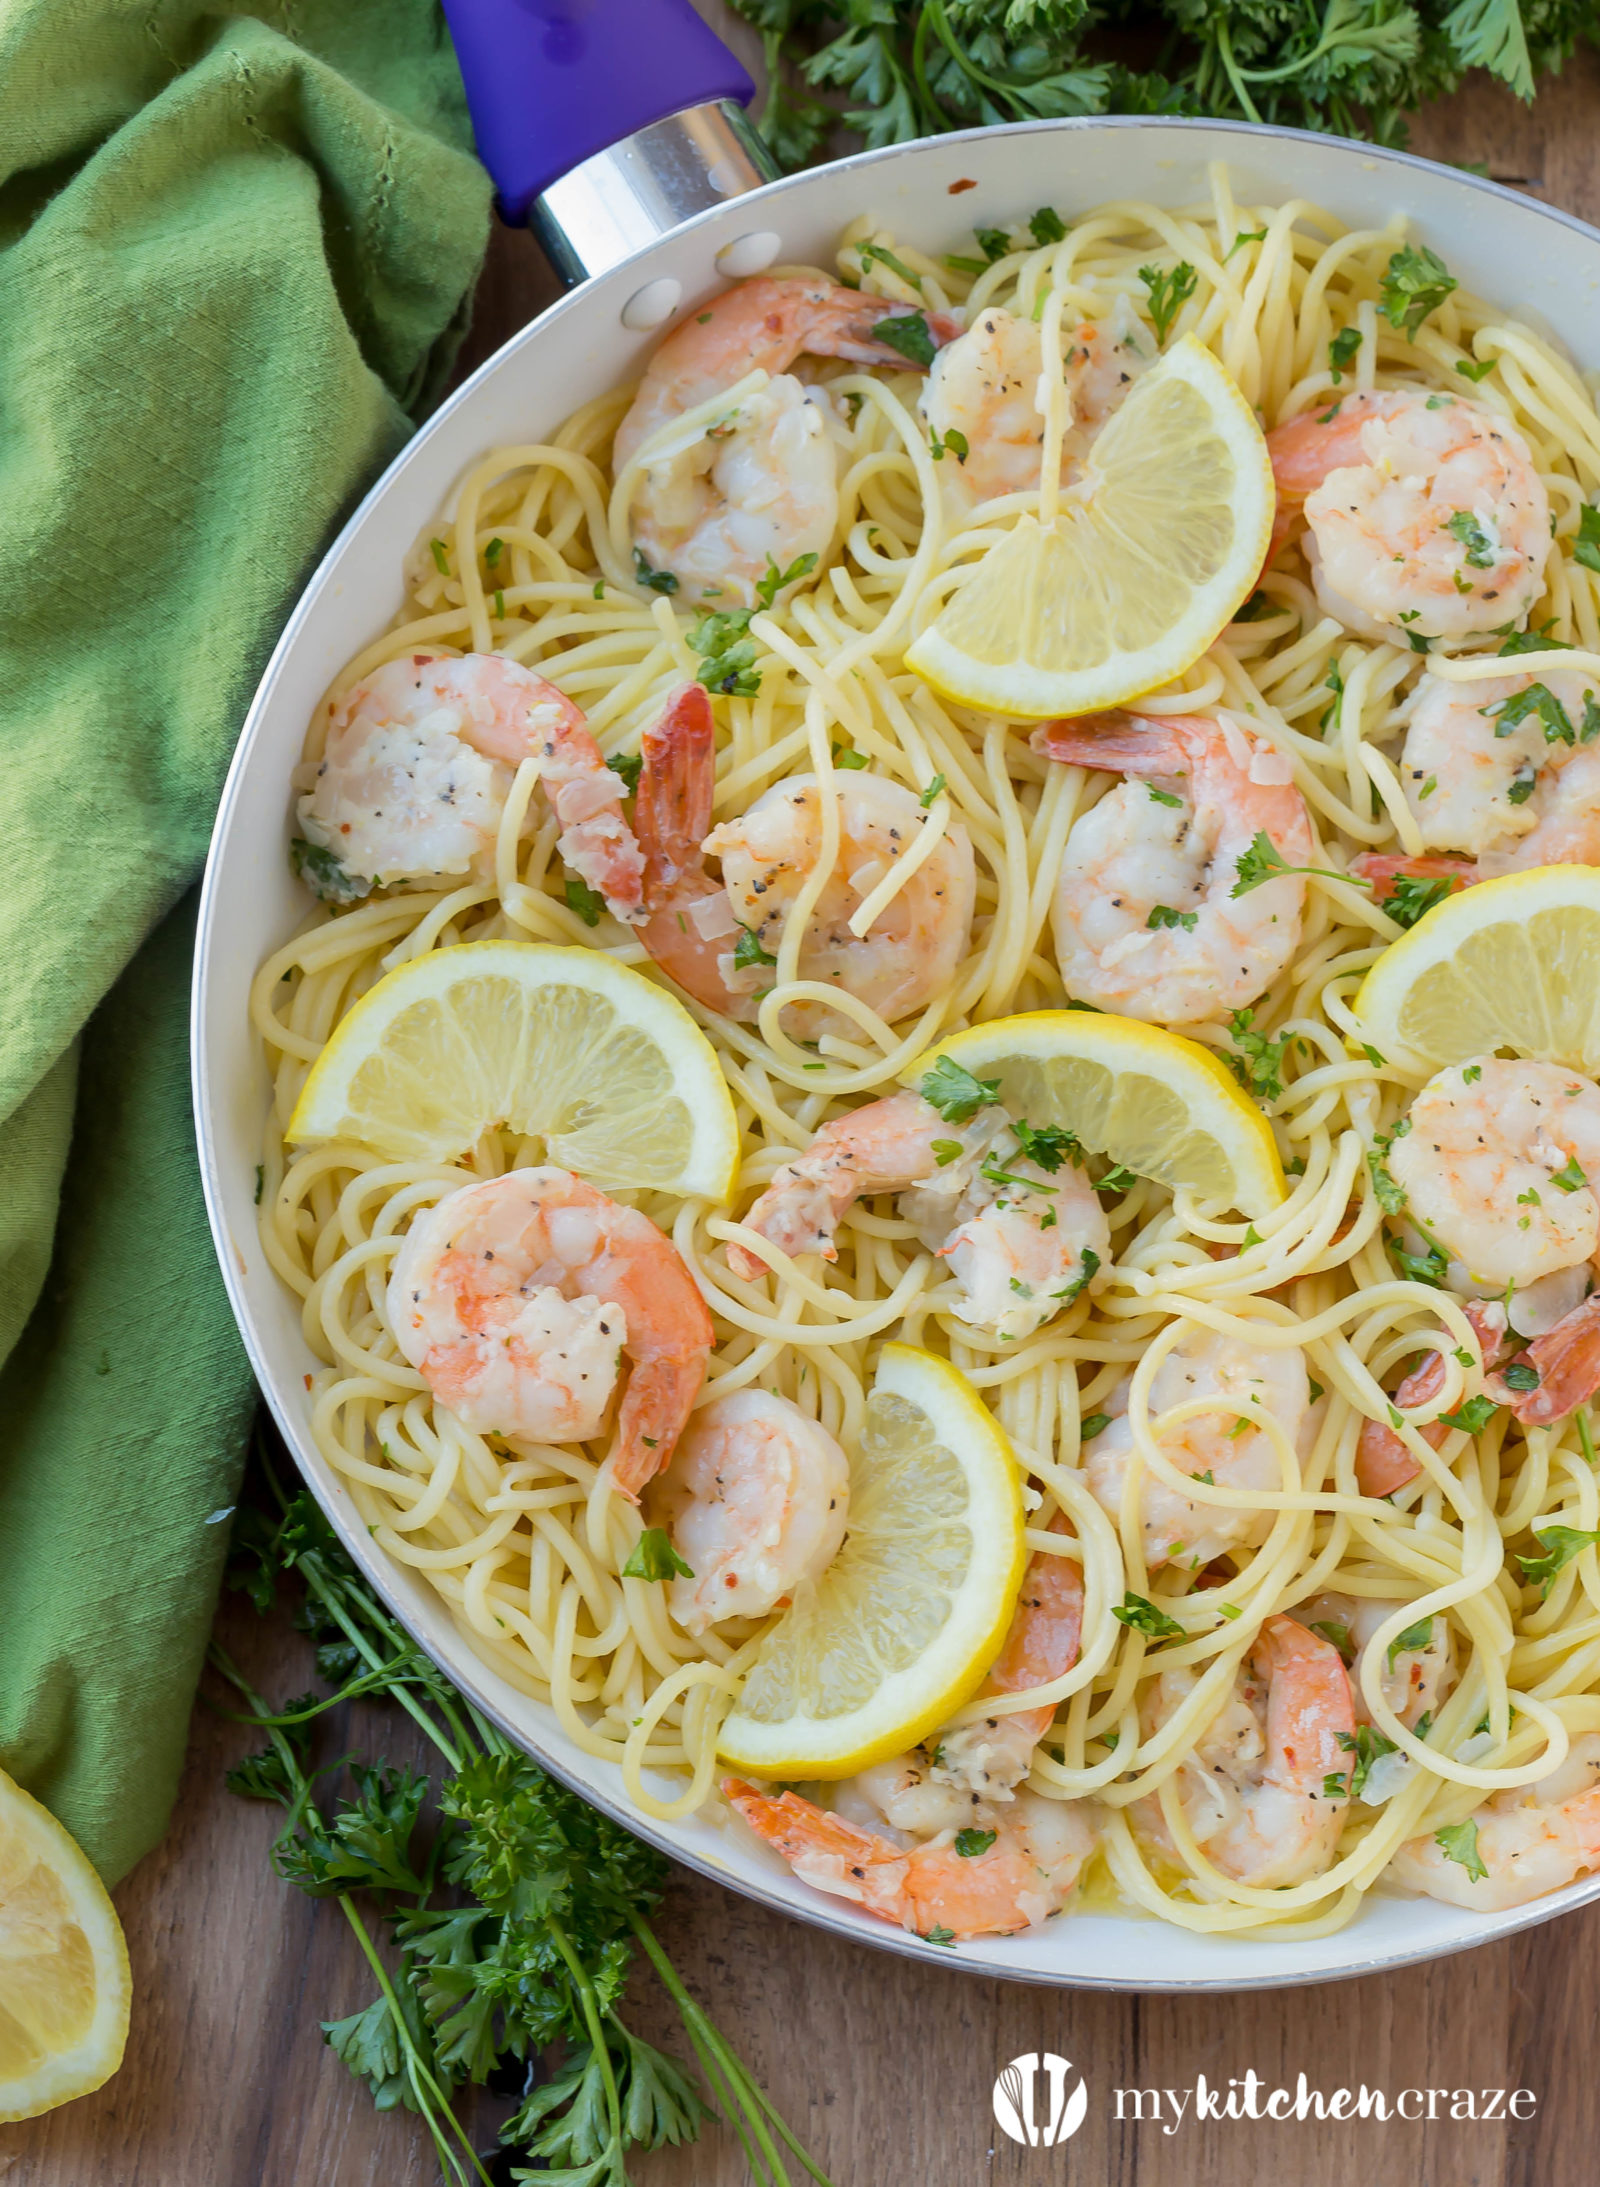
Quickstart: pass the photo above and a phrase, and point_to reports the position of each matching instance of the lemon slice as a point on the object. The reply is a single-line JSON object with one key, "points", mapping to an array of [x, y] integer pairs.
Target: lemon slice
{"points": [[1146, 562], [606, 1067], [63, 1965], [907, 1619], [1161, 1104], [1513, 963]]}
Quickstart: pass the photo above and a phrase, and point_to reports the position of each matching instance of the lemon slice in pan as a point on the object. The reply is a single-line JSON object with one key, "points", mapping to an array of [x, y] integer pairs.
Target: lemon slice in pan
{"points": [[905, 1622], [1513, 963], [609, 1069], [1147, 560], [1159, 1103]]}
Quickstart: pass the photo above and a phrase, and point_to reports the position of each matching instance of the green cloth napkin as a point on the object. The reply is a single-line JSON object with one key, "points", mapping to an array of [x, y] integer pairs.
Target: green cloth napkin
{"points": [[236, 253]]}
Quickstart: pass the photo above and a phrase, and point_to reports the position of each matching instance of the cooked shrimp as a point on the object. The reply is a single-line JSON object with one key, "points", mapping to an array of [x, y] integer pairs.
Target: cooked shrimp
{"points": [[516, 1298], [1501, 771], [985, 388], [1531, 1840], [759, 485], [1146, 919], [419, 759], [1018, 1238], [1221, 1446], [1495, 1160], [1261, 1790], [1024, 1869], [1424, 513], [756, 1498], [910, 954]]}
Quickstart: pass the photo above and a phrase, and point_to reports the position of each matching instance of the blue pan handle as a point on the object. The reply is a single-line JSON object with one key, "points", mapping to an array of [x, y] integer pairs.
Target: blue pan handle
{"points": [[552, 82]]}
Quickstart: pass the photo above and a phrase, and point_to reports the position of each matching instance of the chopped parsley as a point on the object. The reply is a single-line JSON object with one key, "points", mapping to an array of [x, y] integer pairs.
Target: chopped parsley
{"points": [[994, 243], [1475, 371], [1538, 699], [909, 335], [955, 1093], [1473, 1416], [1342, 351], [955, 441], [969, 1843], [939, 1934], [1415, 283], [1480, 547], [441, 558], [1412, 895], [1522, 784], [1250, 235], [1561, 1545], [1087, 1270], [1414, 1637], [1165, 797], [1163, 915], [325, 875], [1263, 861], [1587, 548], [1047, 1144], [1459, 1842], [1093, 1424], [1336, 1635], [1143, 1617], [587, 902], [1169, 292], [654, 1558], [1258, 1061], [747, 950], [1368, 1746], [1570, 1179], [1520, 1375], [1047, 226], [1430, 1267], [886, 257], [849, 761], [1390, 1195], [653, 580], [945, 1151], [935, 788], [630, 765]]}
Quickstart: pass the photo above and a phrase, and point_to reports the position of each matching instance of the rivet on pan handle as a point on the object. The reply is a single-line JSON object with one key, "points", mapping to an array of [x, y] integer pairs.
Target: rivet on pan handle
{"points": [[604, 123]]}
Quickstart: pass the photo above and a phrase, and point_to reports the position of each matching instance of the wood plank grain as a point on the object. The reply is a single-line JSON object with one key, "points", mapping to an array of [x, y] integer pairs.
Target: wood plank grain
{"points": [[885, 2070]]}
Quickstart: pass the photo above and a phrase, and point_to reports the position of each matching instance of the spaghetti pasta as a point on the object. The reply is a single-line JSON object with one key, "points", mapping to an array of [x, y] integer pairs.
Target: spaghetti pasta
{"points": [[527, 1543]]}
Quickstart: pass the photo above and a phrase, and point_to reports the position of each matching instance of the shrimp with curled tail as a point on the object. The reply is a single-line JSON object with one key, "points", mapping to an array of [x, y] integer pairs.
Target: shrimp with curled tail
{"points": [[943, 1838], [417, 765], [1528, 1840], [759, 486], [696, 921], [1020, 1239], [517, 1299], [1146, 918], [1265, 1789], [1424, 513]]}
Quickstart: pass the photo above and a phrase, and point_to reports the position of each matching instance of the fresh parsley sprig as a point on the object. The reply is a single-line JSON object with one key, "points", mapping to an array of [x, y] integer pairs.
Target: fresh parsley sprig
{"points": [[515, 1920]]}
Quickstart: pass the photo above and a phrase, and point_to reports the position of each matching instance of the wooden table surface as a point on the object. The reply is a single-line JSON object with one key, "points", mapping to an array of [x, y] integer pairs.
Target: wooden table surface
{"points": [[885, 2069]]}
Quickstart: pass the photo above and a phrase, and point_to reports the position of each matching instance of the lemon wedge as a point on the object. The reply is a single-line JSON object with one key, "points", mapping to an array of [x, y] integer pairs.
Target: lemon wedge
{"points": [[1148, 558], [1513, 963], [606, 1067], [904, 1624], [64, 1984], [1159, 1103]]}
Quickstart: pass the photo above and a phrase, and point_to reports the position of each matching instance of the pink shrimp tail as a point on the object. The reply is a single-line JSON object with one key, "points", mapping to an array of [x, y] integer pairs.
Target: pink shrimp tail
{"points": [[1384, 868], [1123, 744], [1566, 1360], [824, 1849], [1045, 1634], [672, 813], [1383, 1462], [1309, 1702], [672, 808], [659, 1397]]}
